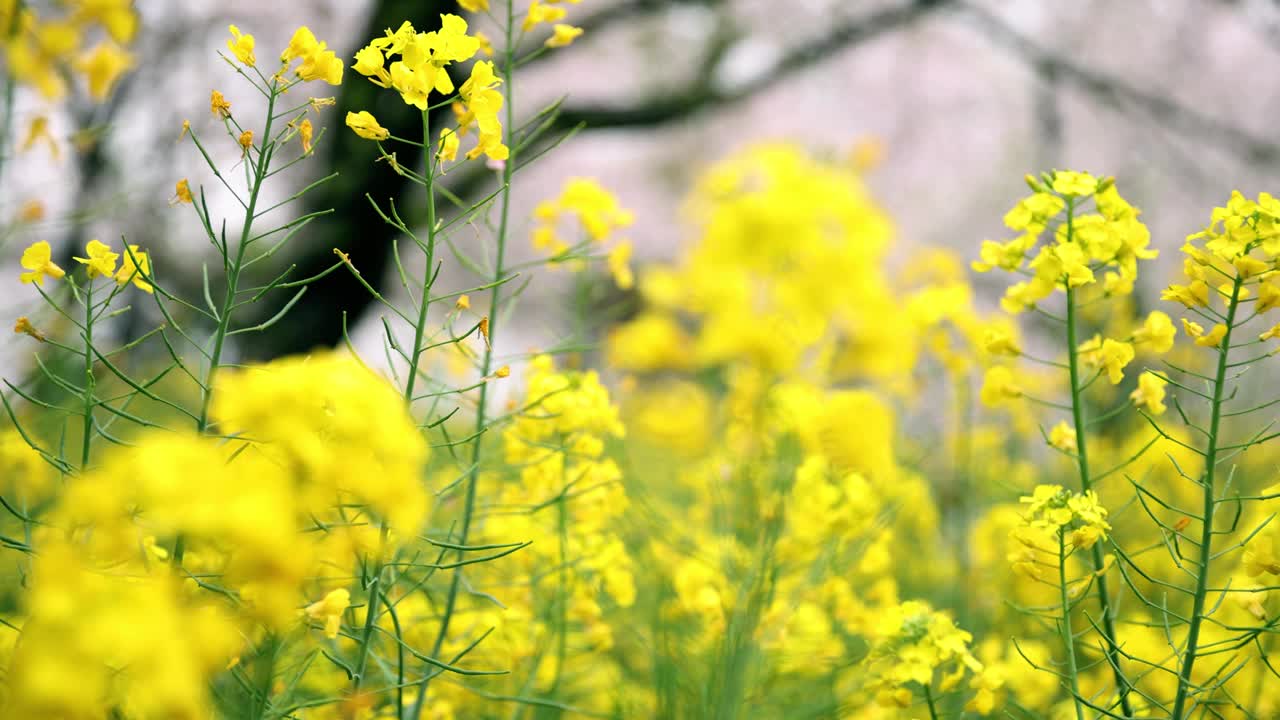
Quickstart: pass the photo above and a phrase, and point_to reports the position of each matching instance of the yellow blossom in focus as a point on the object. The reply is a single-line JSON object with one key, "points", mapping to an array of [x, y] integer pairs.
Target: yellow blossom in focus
{"points": [[23, 326], [1059, 511], [241, 46], [135, 267], [218, 105], [1109, 355], [101, 260], [1213, 338], [366, 126], [447, 150], [1074, 183], [37, 260], [183, 191], [245, 140], [305, 133]]}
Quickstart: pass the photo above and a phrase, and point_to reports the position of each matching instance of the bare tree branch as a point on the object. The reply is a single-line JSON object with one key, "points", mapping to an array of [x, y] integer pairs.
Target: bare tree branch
{"points": [[702, 94], [1115, 92]]}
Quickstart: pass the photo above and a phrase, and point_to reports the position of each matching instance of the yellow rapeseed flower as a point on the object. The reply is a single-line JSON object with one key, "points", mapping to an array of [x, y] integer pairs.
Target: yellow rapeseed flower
{"points": [[101, 260], [37, 260]]}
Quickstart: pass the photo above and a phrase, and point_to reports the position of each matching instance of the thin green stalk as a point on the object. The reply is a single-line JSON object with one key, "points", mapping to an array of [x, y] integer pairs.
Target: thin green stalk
{"points": [[87, 441], [234, 268], [486, 367], [1086, 484], [370, 621], [1206, 529], [420, 330], [1068, 637], [267, 675], [232, 290], [928, 698]]}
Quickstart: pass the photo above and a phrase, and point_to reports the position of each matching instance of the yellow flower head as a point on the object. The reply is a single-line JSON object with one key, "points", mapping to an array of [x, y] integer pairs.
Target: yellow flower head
{"points": [[241, 46], [563, 35], [102, 67], [101, 260], [539, 14], [1156, 334], [1057, 510], [183, 191], [366, 126], [1109, 355], [448, 148], [23, 326], [330, 610], [37, 260], [135, 267], [998, 386], [318, 61], [1150, 393], [1080, 184], [218, 105], [1063, 437], [306, 132]]}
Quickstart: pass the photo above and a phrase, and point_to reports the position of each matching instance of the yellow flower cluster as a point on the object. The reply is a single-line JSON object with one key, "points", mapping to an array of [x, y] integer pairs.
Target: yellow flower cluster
{"points": [[134, 264], [318, 61], [260, 525], [311, 416], [912, 644], [787, 270], [109, 640], [599, 216], [1231, 261], [1083, 243], [1058, 511], [40, 52], [418, 62], [564, 496]]}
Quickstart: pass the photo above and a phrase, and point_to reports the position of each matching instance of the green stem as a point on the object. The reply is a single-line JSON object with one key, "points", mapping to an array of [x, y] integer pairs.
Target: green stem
{"points": [[1068, 637], [1206, 530], [1082, 463], [420, 330], [233, 269], [266, 676], [370, 620], [486, 367], [928, 698], [87, 441]]}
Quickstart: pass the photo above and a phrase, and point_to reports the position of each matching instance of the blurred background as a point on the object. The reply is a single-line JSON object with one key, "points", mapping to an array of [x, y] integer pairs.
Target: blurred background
{"points": [[948, 102]]}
